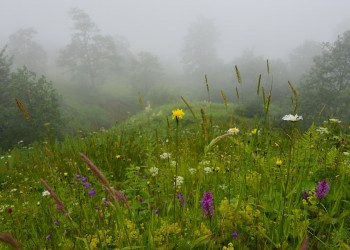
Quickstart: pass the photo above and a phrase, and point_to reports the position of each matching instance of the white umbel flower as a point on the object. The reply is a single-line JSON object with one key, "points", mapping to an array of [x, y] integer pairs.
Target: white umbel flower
{"points": [[45, 193], [154, 171], [292, 118]]}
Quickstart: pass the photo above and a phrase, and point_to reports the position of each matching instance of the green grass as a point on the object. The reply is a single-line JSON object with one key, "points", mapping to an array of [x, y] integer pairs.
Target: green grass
{"points": [[256, 177]]}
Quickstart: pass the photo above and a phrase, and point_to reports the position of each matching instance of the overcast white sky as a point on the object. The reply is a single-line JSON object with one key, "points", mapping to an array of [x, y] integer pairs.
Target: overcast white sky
{"points": [[271, 28]]}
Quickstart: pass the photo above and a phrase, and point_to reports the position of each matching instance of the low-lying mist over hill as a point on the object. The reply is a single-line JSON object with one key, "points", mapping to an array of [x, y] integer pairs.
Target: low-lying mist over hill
{"points": [[104, 61]]}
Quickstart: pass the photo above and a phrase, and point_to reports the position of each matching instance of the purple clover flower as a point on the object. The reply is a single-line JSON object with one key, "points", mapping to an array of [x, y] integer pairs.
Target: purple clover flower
{"points": [[181, 199], [322, 189], [77, 176], [48, 236], [235, 235], [207, 204], [86, 184], [92, 192], [305, 194], [57, 223], [83, 178]]}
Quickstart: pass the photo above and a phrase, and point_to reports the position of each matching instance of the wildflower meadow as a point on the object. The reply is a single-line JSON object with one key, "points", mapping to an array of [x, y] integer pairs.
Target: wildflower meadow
{"points": [[182, 176]]}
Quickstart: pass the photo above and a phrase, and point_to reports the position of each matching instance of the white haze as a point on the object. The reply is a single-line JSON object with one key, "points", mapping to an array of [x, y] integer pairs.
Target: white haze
{"points": [[271, 28]]}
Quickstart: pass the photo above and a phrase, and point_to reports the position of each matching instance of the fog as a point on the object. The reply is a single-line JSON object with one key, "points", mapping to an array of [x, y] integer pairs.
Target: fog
{"points": [[269, 28]]}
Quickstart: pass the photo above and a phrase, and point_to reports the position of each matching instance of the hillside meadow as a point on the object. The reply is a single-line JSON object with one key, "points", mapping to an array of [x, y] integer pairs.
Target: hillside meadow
{"points": [[182, 176]]}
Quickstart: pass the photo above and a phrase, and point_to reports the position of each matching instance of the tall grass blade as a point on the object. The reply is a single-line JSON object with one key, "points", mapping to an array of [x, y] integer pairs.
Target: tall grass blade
{"points": [[224, 97], [295, 95], [204, 125], [114, 193], [259, 82], [268, 66], [190, 108], [237, 94], [238, 75]]}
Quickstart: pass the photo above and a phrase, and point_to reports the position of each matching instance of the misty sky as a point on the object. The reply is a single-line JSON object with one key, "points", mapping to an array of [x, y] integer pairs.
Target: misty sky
{"points": [[271, 28]]}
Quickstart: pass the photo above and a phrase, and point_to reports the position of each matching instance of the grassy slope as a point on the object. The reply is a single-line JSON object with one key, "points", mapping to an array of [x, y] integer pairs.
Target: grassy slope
{"points": [[257, 191]]}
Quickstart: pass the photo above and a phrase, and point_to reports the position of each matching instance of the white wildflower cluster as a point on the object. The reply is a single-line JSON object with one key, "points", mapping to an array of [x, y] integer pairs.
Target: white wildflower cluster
{"points": [[46, 193], [333, 120], [204, 163], [292, 118], [13, 190], [322, 130], [173, 163], [165, 156], [233, 131], [192, 171], [179, 180], [208, 170], [154, 171]]}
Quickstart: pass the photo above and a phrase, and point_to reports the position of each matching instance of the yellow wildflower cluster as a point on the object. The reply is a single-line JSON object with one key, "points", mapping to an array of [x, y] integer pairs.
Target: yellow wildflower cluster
{"points": [[228, 247], [131, 230], [253, 181], [100, 240], [202, 231], [245, 216], [167, 231]]}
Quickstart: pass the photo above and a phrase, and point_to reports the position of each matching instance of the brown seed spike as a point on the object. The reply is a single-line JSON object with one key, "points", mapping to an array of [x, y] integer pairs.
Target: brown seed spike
{"points": [[23, 110], [7, 238]]}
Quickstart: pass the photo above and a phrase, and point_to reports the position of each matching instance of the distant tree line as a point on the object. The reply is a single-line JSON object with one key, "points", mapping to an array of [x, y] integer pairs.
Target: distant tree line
{"points": [[320, 73], [29, 106]]}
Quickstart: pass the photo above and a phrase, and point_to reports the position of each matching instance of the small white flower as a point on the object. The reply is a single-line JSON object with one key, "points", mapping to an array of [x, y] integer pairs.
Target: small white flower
{"points": [[45, 193], [233, 131], [208, 170], [346, 153], [333, 120], [322, 130], [192, 171], [292, 118], [165, 156], [178, 181], [13, 190], [38, 203], [204, 163], [173, 163], [154, 171], [223, 186]]}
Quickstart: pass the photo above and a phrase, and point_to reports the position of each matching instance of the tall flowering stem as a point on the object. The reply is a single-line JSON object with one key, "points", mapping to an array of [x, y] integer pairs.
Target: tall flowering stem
{"points": [[7, 238], [114, 193], [322, 189], [59, 203], [177, 114], [292, 119], [207, 204], [117, 195]]}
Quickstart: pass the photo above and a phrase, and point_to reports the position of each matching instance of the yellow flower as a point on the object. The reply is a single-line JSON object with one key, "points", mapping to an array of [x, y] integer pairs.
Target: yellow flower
{"points": [[233, 131], [118, 156], [178, 114], [65, 174], [254, 131], [279, 162]]}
